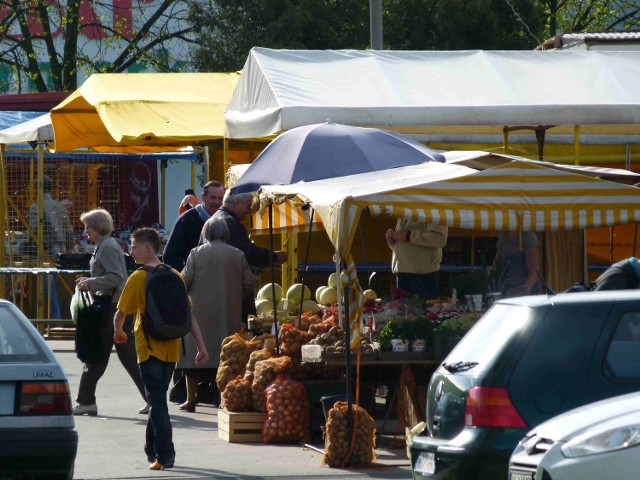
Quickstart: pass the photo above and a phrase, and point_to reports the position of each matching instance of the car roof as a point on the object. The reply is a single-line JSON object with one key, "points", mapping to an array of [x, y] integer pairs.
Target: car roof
{"points": [[573, 298]]}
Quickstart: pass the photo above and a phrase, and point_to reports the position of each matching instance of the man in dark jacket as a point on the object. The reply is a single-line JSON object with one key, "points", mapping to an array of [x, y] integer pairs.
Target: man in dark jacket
{"points": [[186, 232], [235, 208], [623, 275]]}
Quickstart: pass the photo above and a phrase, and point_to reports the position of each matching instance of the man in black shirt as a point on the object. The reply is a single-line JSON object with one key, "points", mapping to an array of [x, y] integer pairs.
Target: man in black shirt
{"points": [[186, 232], [235, 208]]}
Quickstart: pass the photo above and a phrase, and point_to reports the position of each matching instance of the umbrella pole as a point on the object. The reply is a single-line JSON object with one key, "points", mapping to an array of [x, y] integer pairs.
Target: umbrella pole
{"points": [[306, 265], [348, 373], [273, 275]]}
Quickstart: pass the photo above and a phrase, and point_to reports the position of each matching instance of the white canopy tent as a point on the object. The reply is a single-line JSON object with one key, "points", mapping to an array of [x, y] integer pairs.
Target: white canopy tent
{"points": [[416, 91], [38, 129]]}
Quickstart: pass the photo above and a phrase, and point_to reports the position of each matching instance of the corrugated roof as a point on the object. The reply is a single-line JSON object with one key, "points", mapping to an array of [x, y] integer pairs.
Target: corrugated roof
{"points": [[567, 40]]}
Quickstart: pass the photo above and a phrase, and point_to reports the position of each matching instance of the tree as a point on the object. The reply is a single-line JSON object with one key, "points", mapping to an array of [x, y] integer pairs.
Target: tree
{"points": [[47, 43], [573, 16], [228, 29]]}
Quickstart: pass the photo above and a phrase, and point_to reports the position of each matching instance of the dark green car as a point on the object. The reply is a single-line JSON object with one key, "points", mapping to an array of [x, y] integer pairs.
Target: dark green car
{"points": [[526, 360]]}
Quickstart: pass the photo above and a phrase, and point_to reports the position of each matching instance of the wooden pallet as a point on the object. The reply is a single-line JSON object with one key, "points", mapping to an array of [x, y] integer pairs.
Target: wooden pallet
{"points": [[240, 427]]}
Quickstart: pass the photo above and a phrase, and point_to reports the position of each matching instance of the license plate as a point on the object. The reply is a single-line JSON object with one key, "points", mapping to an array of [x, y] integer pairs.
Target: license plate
{"points": [[426, 463], [518, 475], [7, 398]]}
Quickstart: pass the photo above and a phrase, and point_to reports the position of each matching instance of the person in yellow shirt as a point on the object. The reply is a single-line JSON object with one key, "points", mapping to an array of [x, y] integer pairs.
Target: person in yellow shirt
{"points": [[156, 358]]}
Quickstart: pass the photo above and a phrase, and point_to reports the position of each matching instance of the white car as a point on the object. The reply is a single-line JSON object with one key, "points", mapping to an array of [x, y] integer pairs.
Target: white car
{"points": [[37, 432], [594, 442]]}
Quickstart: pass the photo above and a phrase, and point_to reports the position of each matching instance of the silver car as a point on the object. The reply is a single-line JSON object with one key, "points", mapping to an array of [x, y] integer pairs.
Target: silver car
{"points": [[596, 441], [38, 437]]}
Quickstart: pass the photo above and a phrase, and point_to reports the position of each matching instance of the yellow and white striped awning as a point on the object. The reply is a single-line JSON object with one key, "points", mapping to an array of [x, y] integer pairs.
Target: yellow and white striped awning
{"points": [[512, 196], [288, 216]]}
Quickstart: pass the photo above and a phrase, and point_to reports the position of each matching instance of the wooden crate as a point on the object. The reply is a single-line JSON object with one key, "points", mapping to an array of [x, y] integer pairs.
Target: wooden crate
{"points": [[240, 427]]}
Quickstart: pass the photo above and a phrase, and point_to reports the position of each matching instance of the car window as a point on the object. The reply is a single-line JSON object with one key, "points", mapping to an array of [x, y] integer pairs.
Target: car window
{"points": [[623, 355], [483, 341], [17, 343]]}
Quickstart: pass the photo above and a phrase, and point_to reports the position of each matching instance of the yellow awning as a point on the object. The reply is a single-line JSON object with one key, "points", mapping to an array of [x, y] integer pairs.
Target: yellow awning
{"points": [[143, 112]]}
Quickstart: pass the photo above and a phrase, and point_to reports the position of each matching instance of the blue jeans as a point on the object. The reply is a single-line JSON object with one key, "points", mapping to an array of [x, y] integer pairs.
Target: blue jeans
{"points": [[156, 376], [425, 285], [51, 291]]}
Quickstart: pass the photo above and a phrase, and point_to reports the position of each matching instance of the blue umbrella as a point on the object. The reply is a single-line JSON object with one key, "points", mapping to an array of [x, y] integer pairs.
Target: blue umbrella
{"points": [[328, 150]]}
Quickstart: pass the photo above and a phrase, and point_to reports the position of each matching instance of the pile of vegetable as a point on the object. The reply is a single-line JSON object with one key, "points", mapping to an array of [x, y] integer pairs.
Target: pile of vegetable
{"points": [[338, 440], [237, 395], [233, 358], [266, 372], [287, 412]]}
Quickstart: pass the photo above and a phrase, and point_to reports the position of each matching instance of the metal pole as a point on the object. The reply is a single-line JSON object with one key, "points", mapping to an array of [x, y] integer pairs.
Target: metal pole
{"points": [[306, 265], [348, 373], [375, 24], [273, 277]]}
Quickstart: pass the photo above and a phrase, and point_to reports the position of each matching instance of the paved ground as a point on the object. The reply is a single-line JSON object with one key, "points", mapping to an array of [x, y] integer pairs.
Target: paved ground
{"points": [[111, 443]]}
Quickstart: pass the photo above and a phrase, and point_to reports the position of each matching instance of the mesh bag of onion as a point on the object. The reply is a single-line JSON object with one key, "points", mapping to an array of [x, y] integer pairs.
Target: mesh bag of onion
{"points": [[339, 451], [266, 372], [287, 412]]}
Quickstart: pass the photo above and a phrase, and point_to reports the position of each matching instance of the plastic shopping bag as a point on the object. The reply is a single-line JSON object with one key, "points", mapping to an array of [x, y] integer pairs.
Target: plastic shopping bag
{"points": [[76, 304]]}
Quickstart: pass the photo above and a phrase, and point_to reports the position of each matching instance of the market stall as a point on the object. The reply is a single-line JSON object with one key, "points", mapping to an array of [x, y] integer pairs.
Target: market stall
{"points": [[123, 114], [517, 195]]}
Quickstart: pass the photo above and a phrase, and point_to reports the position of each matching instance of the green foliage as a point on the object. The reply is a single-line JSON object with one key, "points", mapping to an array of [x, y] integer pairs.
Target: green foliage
{"points": [[390, 331], [43, 42], [405, 329], [228, 29], [573, 16], [418, 328], [471, 283]]}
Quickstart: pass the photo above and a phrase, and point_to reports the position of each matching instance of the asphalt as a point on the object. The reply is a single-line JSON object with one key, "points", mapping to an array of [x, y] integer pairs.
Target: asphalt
{"points": [[111, 444]]}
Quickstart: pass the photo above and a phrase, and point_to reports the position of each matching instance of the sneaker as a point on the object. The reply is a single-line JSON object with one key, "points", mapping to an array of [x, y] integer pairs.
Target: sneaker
{"points": [[91, 410], [158, 466], [144, 410]]}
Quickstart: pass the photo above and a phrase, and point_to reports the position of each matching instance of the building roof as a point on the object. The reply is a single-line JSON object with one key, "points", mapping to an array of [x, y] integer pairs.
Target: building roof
{"points": [[35, 102], [569, 40]]}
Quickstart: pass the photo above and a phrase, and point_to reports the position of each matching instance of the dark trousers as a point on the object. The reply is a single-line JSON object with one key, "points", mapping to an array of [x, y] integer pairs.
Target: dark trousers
{"points": [[92, 372], [425, 285], [156, 376]]}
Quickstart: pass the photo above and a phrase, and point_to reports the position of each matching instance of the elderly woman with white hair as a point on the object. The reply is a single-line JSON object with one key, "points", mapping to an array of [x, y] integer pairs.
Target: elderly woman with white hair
{"points": [[217, 276], [108, 276]]}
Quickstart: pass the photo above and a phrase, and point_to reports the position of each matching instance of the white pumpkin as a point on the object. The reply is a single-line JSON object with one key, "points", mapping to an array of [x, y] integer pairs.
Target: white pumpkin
{"points": [[319, 292], [263, 306], [329, 296], [266, 292], [295, 293], [310, 306]]}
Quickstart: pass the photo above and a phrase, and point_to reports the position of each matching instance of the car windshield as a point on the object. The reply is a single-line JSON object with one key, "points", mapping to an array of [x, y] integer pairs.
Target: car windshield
{"points": [[477, 350], [17, 343]]}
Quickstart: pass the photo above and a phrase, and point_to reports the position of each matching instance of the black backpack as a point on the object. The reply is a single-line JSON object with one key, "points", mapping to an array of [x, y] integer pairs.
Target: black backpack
{"points": [[168, 313]]}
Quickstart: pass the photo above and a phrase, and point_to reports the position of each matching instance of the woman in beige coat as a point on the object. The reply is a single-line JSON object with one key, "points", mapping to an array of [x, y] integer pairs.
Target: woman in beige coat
{"points": [[217, 275]]}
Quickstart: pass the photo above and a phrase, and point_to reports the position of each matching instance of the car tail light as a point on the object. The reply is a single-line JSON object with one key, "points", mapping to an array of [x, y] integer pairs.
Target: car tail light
{"points": [[44, 398], [491, 407]]}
